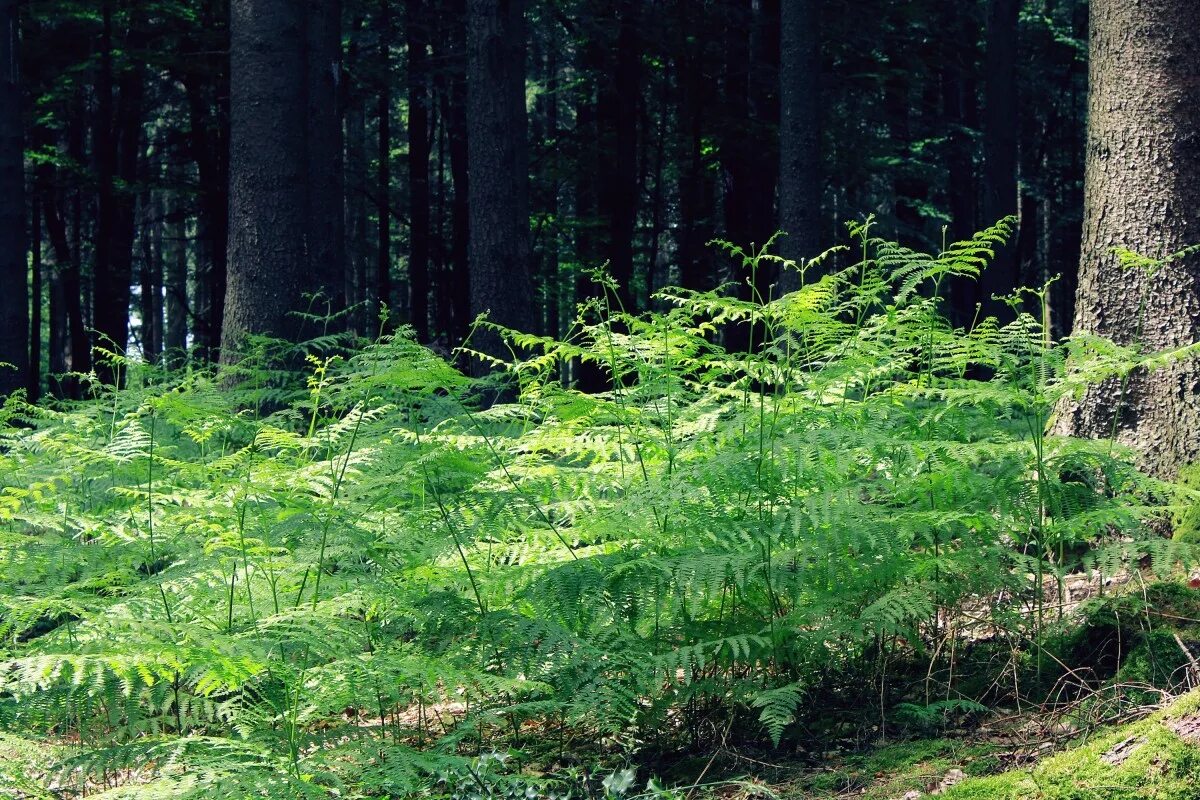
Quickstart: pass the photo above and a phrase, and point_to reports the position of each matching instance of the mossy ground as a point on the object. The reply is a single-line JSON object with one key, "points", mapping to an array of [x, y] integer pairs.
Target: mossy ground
{"points": [[892, 770], [1161, 764], [22, 768]]}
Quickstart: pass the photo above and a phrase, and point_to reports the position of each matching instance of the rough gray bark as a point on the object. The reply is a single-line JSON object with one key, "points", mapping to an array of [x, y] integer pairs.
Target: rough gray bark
{"points": [[799, 135], [14, 300], [498, 165], [267, 201], [1142, 192], [285, 226]]}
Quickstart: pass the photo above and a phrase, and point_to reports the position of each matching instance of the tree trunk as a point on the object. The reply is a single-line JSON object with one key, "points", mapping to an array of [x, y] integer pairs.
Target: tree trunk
{"points": [[960, 112], [1142, 192], [454, 112], [117, 136], [383, 250], [208, 141], [359, 293], [175, 331], [498, 163], [799, 135], [696, 192], [617, 114], [35, 320], [325, 242], [417, 29], [151, 278], [1000, 126], [14, 300], [267, 152]]}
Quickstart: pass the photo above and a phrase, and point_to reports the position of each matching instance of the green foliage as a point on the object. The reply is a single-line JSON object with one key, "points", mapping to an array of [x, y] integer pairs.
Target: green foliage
{"points": [[244, 585]]}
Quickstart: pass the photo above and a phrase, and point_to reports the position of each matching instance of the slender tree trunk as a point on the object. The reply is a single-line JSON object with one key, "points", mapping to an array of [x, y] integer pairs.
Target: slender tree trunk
{"points": [[417, 30], [72, 350], [1142, 192], [35, 320], [325, 242], [175, 331], [617, 114], [799, 135], [208, 141], [696, 192], [383, 250], [548, 107], [749, 158], [498, 163], [1000, 128], [959, 110], [454, 112], [14, 300], [151, 278], [358, 293]]}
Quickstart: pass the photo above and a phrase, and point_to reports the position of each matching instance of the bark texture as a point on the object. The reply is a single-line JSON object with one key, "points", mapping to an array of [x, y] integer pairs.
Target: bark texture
{"points": [[14, 300], [498, 165], [285, 199], [1142, 192], [799, 134]]}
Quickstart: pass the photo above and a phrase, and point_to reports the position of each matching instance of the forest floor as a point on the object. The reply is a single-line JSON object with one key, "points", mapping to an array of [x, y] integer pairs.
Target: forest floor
{"points": [[1025, 758], [1156, 755]]}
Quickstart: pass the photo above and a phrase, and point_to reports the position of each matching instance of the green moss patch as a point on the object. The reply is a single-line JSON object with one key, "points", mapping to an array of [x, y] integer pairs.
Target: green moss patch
{"points": [[1157, 758]]}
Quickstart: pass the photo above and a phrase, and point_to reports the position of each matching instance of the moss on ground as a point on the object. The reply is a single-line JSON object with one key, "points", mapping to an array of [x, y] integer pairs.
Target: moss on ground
{"points": [[892, 770], [22, 765], [1143, 760]]}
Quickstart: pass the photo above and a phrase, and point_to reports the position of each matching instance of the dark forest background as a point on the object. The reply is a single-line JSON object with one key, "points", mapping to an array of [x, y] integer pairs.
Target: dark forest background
{"points": [[652, 127]]}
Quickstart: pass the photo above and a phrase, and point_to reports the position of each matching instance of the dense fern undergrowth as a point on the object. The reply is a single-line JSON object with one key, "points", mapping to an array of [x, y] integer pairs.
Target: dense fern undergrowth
{"points": [[368, 582]]}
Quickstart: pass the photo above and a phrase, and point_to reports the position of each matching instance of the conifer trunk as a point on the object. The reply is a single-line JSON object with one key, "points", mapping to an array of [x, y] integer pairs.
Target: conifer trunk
{"points": [[799, 135], [1142, 192], [14, 299], [1000, 126], [498, 164], [417, 29]]}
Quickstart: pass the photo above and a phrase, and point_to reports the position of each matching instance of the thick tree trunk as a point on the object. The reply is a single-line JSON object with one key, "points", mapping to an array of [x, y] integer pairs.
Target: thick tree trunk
{"points": [[498, 163], [14, 300], [799, 135], [417, 29], [1000, 127], [285, 237], [1142, 192]]}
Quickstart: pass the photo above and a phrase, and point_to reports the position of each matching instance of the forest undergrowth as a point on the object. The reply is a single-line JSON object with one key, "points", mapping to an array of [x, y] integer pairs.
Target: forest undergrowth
{"points": [[364, 579]]}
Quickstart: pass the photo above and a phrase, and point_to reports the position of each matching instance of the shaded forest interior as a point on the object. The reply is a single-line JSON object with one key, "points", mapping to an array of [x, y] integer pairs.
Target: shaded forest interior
{"points": [[652, 128]]}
